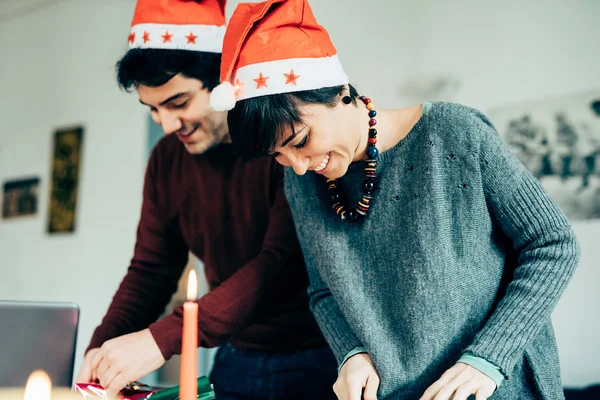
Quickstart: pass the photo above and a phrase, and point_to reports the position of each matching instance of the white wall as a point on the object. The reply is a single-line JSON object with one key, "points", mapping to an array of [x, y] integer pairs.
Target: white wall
{"points": [[57, 69]]}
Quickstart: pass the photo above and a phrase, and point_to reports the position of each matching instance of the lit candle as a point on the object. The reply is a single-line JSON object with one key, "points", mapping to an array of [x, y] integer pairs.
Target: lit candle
{"points": [[39, 387], [188, 383]]}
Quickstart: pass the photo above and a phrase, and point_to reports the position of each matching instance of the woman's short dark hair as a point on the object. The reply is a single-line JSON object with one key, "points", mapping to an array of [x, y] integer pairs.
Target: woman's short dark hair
{"points": [[154, 67], [257, 124]]}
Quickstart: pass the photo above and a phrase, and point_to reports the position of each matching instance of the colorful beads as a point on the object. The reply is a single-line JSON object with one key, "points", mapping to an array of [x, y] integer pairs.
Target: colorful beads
{"points": [[352, 215], [372, 152], [368, 186]]}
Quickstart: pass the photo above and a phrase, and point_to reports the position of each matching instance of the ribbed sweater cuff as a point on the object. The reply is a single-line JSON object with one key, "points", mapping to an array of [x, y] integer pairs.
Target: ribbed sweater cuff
{"points": [[336, 330], [353, 352]]}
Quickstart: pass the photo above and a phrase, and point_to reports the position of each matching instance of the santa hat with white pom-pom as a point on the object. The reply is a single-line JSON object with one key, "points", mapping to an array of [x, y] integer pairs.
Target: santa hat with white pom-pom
{"points": [[274, 47]]}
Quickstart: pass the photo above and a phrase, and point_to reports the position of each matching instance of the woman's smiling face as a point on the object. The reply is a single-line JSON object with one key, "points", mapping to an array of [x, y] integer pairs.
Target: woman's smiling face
{"points": [[325, 141]]}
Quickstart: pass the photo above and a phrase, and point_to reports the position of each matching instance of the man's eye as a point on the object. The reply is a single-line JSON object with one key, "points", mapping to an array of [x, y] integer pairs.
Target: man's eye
{"points": [[180, 105]]}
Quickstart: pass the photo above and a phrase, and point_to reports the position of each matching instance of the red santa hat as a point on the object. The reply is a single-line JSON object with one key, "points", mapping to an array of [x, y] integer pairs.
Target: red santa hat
{"points": [[179, 25], [275, 47]]}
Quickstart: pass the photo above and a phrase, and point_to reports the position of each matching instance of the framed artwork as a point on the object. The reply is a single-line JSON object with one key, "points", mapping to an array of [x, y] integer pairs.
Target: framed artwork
{"points": [[66, 165], [20, 197], [558, 140]]}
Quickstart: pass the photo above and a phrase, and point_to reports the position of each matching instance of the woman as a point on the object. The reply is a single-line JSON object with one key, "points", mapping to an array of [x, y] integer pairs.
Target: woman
{"points": [[435, 258]]}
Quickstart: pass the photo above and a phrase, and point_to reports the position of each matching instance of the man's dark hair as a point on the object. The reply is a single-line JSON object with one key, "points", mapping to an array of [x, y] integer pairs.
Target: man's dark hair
{"points": [[257, 124], [154, 67]]}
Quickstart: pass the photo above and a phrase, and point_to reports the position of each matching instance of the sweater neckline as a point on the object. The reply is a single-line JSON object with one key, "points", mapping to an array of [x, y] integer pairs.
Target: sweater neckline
{"points": [[392, 152]]}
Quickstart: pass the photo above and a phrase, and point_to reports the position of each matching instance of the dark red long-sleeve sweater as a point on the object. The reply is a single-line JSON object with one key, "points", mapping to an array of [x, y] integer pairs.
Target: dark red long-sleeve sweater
{"points": [[232, 214]]}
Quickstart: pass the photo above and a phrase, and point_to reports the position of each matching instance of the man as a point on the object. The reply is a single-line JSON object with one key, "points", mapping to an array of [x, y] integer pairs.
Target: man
{"points": [[230, 213]]}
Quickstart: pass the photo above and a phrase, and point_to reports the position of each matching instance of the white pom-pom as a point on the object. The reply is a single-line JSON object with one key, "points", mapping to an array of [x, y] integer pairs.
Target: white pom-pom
{"points": [[222, 97]]}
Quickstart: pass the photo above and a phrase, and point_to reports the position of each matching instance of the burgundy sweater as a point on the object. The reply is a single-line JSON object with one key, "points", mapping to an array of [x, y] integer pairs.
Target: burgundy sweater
{"points": [[232, 214]]}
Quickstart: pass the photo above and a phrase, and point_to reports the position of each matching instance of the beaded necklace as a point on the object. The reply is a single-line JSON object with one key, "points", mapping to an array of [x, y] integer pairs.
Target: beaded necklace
{"points": [[368, 186]]}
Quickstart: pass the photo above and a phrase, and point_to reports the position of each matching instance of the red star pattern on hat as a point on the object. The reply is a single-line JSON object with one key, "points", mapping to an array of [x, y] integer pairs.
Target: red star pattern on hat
{"points": [[291, 78], [167, 37], [261, 81], [191, 38], [195, 25]]}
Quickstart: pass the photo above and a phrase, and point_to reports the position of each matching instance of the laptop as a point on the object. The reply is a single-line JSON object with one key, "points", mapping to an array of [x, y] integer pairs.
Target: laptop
{"points": [[37, 335]]}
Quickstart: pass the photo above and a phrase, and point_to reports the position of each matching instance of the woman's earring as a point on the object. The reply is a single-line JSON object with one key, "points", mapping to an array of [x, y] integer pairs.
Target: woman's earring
{"points": [[347, 99]]}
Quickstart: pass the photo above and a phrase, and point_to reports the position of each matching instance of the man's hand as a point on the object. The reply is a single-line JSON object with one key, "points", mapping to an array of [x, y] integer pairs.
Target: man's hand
{"points": [[357, 373], [459, 382], [125, 359], [85, 373]]}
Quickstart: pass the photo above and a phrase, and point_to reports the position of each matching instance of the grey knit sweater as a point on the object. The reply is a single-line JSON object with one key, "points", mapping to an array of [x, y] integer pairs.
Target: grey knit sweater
{"points": [[462, 251]]}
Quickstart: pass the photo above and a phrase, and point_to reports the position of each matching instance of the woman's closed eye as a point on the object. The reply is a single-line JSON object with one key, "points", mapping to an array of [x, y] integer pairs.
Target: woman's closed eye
{"points": [[303, 142]]}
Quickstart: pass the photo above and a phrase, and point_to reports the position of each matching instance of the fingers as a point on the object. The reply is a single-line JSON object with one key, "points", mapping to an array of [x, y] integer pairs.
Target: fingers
{"points": [[460, 382], [96, 360], [465, 390], [448, 376], [371, 388], [446, 392], [107, 377], [355, 391], [358, 372], [85, 374], [102, 370], [484, 393], [116, 385], [347, 389]]}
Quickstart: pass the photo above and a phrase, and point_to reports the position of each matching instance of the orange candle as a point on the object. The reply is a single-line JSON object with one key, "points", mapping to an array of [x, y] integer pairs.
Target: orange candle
{"points": [[188, 383]]}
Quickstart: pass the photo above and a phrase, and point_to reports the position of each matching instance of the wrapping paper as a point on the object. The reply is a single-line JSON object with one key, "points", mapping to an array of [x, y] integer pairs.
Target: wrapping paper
{"points": [[139, 391]]}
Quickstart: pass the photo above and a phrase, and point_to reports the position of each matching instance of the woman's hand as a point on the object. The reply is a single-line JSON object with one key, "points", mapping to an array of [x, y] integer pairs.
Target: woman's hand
{"points": [[357, 374], [459, 382]]}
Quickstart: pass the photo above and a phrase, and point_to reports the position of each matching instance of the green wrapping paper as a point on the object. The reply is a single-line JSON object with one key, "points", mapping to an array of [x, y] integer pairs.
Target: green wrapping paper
{"points": [[205, 391]]}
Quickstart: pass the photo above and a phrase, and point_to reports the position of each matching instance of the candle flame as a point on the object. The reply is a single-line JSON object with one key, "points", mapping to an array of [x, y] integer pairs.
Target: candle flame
{"points": [[39, 386], [192, 289]]}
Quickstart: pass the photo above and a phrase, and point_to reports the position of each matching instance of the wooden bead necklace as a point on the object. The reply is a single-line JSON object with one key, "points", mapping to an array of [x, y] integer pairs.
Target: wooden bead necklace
{"points": [[368, 186]]}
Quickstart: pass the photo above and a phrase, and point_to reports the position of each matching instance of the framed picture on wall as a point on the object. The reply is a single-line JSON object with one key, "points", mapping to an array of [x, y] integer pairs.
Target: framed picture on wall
{"points": [[558, 140], [66, 166], [20, 197]]}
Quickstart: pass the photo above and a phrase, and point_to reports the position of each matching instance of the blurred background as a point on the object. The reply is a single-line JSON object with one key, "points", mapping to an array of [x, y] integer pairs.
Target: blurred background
{"points": [[521, 62]]}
